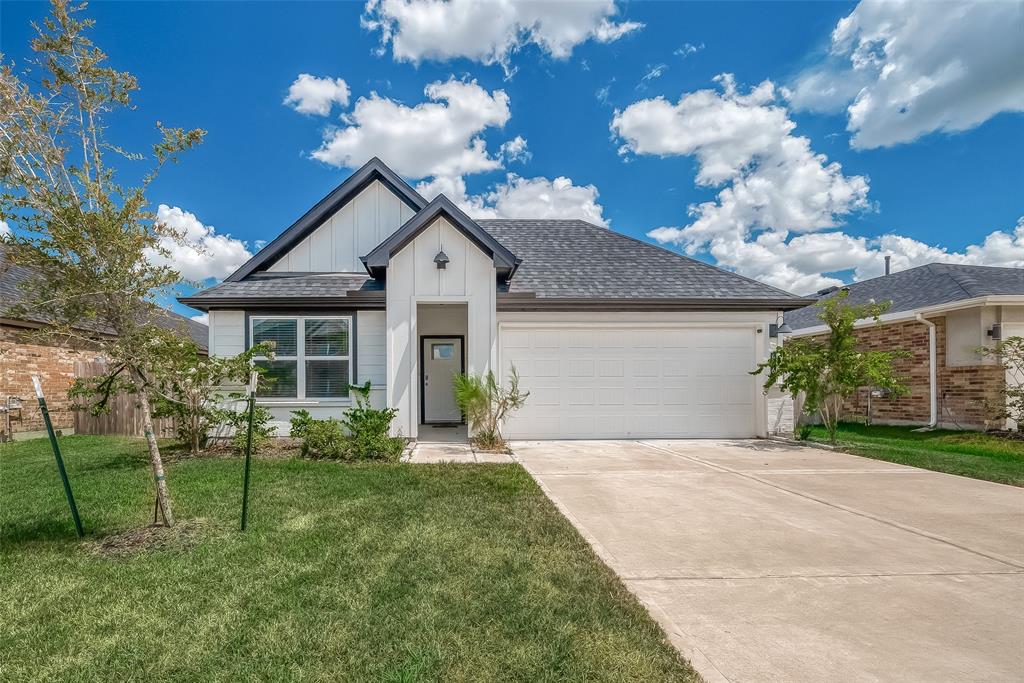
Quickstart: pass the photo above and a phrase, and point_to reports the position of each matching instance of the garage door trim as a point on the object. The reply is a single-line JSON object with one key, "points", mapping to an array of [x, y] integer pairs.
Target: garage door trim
{"points": [[757, 327]]}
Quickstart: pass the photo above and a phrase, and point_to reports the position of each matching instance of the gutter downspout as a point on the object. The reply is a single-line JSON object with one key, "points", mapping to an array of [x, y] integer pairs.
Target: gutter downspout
{"points": [[932, 388]]}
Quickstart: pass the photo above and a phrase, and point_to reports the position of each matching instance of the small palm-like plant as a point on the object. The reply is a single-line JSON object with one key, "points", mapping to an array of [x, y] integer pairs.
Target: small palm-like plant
{"points": [[486, 404]]}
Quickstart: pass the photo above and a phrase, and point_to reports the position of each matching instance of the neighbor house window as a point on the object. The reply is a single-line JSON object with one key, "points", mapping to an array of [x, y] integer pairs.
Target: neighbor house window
{"points": [[312, 356]]}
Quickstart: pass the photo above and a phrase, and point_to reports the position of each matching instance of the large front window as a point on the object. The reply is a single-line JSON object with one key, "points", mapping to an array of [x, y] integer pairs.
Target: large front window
{"points": [[312, 356]]}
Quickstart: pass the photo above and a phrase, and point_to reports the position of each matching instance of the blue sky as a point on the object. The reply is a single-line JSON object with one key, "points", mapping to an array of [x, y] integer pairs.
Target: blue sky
{"points": [[576, 93]]}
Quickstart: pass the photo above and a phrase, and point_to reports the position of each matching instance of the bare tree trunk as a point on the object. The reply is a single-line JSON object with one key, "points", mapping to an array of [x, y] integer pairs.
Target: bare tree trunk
{"points": [[163, 496], [832, 406]]}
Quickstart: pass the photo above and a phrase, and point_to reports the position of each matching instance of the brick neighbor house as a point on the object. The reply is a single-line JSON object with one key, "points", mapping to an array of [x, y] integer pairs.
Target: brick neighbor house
{"points": [[941, 314], [21, 357]]}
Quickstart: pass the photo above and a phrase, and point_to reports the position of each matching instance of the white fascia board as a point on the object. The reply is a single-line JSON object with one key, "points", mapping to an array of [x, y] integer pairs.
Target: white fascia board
{"points": [[904, 316]]}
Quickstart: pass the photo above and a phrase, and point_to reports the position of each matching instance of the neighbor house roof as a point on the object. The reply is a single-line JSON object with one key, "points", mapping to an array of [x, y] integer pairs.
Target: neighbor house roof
{"points": [[934, 284], [573, 260], [12, 294]]}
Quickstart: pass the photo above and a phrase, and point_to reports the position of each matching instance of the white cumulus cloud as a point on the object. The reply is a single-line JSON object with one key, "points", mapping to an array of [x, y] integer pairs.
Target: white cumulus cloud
{"points": [[776, 215], [441, 137], [515, 150], [490, 32], [312, 95], [800, 263], [519, 197], [903, 69], [744, 143], [4, 228], [199, 253], [202, 318]]}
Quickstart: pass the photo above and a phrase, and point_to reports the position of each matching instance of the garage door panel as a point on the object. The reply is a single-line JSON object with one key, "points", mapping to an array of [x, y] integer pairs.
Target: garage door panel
{"points": [[581, 367], [581, 397], [675, 367], [594, 382], [515, 339], [612, 339], [579, 340], [542, 396], [645, 396], [547, 367], [544, 339], [645, 367], [675, 397], [644, 339], [611, 396]]}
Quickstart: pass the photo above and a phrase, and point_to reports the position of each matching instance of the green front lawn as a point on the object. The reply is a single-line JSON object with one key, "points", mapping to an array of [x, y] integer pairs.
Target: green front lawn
{"points": [[373, 572], [971, 454]]}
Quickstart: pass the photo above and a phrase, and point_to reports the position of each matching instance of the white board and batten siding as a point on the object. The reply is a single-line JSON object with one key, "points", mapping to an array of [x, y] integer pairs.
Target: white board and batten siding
{"points": [[414, 278], [371, 353], [227, 333], [353, 231], [633, 376]]}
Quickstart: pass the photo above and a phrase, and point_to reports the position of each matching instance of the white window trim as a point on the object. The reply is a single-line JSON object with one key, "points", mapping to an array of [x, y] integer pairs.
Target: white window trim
{"points": [[300, 360]]}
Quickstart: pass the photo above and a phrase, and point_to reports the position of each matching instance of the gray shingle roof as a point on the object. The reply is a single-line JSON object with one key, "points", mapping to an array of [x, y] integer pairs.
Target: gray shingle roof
{"points": [[11, 294], [576, 259], [287, 287], [561, 259], [933, 284]]}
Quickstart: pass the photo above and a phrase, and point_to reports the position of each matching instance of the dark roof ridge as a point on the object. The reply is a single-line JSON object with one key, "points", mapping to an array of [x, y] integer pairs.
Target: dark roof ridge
{"points": [[963, 278]]}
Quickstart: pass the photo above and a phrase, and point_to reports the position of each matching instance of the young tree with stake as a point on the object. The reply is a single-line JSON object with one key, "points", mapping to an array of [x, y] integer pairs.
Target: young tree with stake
{"points": [[830, 370], [87, 236]]}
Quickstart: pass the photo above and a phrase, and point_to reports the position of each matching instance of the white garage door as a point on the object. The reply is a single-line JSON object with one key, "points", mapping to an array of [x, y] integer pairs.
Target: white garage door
{"points": [[593, 382]]}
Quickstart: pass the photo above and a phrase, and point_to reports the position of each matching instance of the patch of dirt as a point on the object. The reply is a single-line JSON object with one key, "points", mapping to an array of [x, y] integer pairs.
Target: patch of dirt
{"points": [[182, 537], [479, 446], [278, 449]]}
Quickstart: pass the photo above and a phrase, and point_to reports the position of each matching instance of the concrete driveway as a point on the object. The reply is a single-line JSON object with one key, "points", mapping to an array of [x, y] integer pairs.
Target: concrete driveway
{"points": [[764, 561]]}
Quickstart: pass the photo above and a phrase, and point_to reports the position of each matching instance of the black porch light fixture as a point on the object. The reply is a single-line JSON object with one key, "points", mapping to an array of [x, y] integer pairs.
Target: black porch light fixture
{"points": [[441, 260], [780, 327]]}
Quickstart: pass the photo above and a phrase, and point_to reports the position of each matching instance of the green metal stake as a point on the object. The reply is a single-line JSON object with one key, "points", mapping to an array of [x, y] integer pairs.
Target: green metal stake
{"points": [[253, 378], [56, 454]]}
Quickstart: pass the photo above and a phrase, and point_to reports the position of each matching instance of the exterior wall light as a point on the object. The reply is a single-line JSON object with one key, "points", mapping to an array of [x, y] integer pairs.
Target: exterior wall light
{"points": [[441, 260], [779, 327]]}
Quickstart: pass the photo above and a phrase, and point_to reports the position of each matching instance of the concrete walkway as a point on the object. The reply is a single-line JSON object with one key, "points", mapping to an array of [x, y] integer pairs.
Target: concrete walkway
{"points": [[766, 562], [437, 452]]}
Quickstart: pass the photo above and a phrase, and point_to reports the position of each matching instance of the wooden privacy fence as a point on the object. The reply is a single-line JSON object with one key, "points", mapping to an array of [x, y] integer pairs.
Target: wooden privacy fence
{"points": [[124, 418]]}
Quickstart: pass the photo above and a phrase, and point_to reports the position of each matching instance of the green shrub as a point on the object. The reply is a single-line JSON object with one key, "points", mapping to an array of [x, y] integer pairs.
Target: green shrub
{"points": [[299, 423], [324, 439], [363, 432], [262, 432], [369, 429]]}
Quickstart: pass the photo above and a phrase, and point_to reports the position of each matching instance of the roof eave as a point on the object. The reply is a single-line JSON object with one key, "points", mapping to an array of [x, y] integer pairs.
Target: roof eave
{"points": [[207, 304], [521, 302]]}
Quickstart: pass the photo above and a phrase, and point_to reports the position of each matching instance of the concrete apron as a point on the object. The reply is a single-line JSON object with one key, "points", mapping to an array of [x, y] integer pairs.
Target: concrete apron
{"points": [[765, 561]]}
